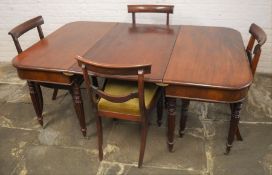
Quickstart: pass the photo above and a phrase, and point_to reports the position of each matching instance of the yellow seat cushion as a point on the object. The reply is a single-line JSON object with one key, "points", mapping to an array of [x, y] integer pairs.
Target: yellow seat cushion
{"points": [[122, 88]]}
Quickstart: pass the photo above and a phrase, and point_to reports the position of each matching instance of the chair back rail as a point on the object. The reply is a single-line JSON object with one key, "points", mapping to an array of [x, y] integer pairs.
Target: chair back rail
{"points": [[23, 28], [150, 9], [257, 34], [102, 69]]}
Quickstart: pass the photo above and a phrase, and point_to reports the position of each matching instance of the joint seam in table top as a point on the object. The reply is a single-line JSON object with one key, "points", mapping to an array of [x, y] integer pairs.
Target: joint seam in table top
{"points": [[171, 52]]}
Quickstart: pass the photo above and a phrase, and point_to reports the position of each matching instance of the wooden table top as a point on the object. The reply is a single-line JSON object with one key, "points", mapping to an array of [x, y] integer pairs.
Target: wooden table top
{"points": [[180, 55], [57, 51], [126, 44], [210, 57]]}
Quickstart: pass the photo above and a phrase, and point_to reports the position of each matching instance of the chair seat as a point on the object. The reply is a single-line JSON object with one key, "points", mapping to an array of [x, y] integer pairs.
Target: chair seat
{"points": [[121, 88]]}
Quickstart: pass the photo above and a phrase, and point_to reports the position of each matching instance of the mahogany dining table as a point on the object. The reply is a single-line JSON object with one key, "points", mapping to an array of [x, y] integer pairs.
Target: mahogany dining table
{"points": [[191, 62]]}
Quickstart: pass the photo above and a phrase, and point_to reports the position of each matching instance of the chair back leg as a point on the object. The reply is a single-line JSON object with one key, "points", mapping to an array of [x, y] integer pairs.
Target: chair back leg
{"points": [[55, 93], [159, 110]]}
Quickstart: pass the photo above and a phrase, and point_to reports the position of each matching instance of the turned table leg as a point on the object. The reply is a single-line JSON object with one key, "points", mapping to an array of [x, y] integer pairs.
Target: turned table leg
{"points": [[78, 104], [183, 116], [171, 108], [37, 99], [234, 121], [238, 134]]}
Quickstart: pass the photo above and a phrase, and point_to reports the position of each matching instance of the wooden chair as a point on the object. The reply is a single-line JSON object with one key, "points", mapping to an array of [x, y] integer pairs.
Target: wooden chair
{"points": [[150, 9], [110, 101], [34, 86], [257, 34], [25, 27]]}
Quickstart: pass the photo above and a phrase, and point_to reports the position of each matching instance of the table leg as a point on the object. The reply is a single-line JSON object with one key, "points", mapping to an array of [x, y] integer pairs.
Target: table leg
{"points": [[78, 104], [39, 93], [171, 108], [238, 134], [234, 121], [37, 100], [183, 116]]}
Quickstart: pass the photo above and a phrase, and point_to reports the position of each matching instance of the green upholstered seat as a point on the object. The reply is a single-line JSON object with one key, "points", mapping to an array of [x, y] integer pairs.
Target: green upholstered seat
{"points": [[122, 88]]}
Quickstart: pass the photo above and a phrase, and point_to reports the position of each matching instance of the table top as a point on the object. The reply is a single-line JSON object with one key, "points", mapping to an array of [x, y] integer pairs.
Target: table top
{"points": [[57, 51], [209, 56], [182, 55], [126, 44]]}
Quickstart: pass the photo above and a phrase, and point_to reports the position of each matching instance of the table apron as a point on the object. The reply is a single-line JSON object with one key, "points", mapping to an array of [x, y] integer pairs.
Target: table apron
{"points": [[207, 94], [45, 76]]}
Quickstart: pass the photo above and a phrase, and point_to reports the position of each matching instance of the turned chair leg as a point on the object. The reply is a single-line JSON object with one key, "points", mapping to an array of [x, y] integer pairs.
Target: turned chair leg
{"points": [[234, 121], [159, 110], [183, 116], [99, 136], [143, 142], [55, 93]]}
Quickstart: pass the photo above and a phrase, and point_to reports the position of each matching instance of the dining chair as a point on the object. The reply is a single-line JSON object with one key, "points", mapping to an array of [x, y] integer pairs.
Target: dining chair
{"points": [[257, 34], [122, 99], [150, 9], [35, 87], [25, 27]]}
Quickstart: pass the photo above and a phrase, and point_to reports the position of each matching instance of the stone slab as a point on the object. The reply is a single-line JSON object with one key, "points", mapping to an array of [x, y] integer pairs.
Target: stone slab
{"points": [[109, 168], [13, 142], [8, 74], [43, 160], [124, 146], [249, 157]]}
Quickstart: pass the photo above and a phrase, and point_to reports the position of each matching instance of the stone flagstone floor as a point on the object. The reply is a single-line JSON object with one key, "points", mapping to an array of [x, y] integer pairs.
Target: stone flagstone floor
{"points": [[59, 147]]}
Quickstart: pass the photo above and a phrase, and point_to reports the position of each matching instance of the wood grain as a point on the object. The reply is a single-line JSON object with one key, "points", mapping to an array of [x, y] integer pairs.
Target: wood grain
{"points": [[209, 57], [56, 52], [135, 45]]}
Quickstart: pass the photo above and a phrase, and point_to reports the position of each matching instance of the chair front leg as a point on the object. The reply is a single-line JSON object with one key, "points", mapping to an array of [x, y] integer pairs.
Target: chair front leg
{"points": [[143, 141], [99, 136], [234, 121], [183, 116]]}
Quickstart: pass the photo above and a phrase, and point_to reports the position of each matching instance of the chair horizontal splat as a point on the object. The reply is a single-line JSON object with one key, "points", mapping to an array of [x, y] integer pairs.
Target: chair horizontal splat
{"points": [[151, 8], [168, 9]]}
